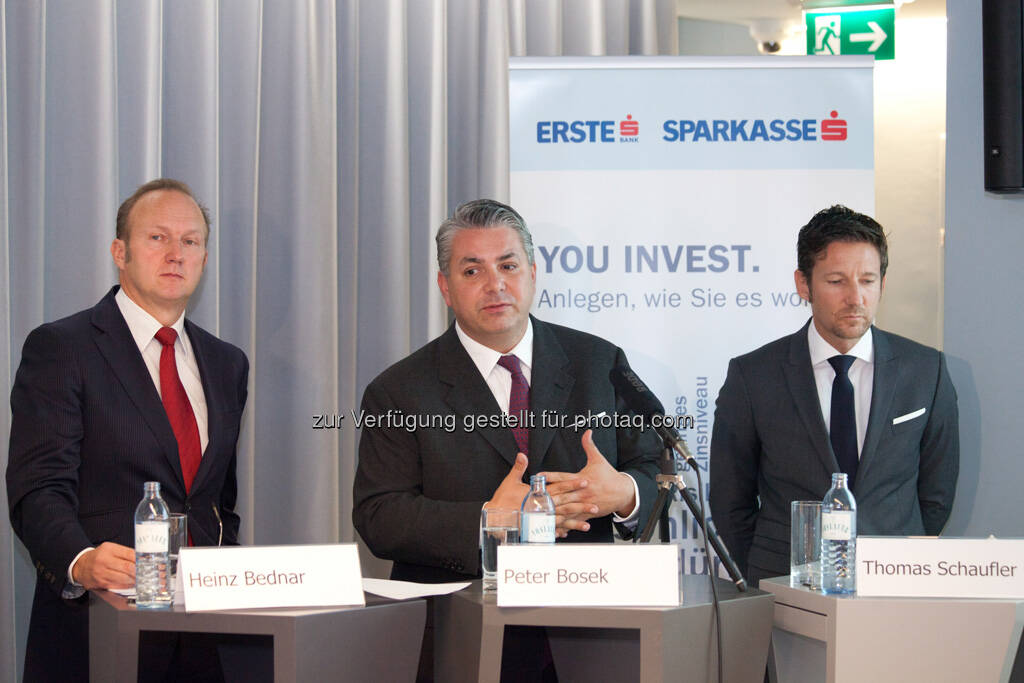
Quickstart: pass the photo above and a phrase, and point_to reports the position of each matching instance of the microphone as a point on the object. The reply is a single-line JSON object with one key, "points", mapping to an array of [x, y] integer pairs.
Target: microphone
{"points": [[642, 401]]}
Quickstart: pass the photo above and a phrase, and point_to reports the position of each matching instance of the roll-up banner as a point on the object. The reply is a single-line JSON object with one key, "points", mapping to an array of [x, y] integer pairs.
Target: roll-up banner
{"points": [[665, 195]]}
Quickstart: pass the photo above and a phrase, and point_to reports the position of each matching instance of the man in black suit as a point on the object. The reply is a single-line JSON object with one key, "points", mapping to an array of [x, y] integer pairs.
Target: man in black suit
{"points": [[89, 425], [419, 490], [780, 430]]}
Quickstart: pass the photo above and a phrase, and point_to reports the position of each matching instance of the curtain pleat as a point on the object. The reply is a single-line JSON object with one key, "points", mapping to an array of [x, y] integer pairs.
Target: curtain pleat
{"points": [[329, 138], [428, 162], [294, 364], [8, 610]]}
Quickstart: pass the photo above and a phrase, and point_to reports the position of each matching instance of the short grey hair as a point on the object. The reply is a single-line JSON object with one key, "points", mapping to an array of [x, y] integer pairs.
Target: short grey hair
{"points": [[480, 213]]}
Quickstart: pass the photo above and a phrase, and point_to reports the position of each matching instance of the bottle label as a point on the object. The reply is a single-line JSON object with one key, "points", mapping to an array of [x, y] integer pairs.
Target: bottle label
{"points": [[151, 537], [837, 525], [538, 528]]}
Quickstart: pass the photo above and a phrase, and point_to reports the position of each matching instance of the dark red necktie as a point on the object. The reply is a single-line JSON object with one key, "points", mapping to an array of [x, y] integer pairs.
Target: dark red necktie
{"points": [[179, 410], [518, 402]]}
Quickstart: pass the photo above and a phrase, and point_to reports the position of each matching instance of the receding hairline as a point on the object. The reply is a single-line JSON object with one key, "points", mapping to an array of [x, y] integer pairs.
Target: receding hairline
{"points": [[155, 192]]}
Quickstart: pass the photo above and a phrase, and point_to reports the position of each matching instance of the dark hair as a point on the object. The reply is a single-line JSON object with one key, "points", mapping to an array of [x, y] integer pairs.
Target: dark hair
{"points": [[480, 213], [838, 224], [154, 186]]}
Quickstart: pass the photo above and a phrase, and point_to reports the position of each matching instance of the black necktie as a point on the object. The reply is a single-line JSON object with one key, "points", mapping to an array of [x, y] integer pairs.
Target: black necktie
{"points": [[843, 427]]}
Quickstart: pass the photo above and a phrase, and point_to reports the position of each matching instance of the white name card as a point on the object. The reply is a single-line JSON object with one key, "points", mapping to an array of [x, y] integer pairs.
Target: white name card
{"points": [[270, 576], [940, 567], [588, 575]]}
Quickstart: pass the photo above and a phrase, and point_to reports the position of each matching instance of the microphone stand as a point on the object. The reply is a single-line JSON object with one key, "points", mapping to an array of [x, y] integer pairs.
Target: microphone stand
{"points": [[668, 480]]}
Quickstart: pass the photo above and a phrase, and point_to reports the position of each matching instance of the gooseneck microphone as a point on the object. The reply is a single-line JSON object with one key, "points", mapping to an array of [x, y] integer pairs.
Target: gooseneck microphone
{"points": [[642, 401]]}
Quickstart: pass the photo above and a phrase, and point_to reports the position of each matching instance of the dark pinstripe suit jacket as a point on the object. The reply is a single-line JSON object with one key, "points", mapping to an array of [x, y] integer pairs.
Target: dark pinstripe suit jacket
{"points": [[88, 428], [418, 494]]}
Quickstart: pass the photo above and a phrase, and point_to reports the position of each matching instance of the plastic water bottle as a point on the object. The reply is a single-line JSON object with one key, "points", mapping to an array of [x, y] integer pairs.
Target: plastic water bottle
{"points": [[839, 538], [537, 516], [151, 534]]}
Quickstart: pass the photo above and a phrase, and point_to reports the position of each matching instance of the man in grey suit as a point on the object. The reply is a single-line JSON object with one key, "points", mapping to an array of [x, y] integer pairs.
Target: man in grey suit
{"points": [[419, 488], [783, 426]]}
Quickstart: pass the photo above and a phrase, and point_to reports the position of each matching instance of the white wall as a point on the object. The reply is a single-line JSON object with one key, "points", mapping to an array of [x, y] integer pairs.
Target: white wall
{"points": [[910, 125], [910, 104], [983, 322]]}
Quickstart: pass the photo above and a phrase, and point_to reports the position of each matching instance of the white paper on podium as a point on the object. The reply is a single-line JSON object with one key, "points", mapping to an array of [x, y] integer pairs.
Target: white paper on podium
{"points": [[404, 590]]}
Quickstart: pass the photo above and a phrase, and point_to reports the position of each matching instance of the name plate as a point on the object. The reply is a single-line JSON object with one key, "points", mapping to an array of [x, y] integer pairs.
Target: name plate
{"points": [[940, 567], [270, 576], [588, 575]]}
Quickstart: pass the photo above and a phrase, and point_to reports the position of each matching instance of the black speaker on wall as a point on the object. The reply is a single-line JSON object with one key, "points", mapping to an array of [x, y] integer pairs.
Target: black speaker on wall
{"points": [[1003, 36]]}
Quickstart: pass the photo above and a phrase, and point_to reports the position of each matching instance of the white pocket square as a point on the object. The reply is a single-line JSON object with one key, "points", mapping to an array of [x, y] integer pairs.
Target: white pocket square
{"points": [[909, 416]]}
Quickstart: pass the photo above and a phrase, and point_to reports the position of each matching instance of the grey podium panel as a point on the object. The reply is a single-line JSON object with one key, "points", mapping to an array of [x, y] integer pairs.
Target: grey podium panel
{"points": [[648, 644], [379, 642], [850, 639]]}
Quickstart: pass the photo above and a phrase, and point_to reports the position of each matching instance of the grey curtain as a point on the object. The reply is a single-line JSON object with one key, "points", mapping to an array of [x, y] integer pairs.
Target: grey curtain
{"points": [[328, 137]]}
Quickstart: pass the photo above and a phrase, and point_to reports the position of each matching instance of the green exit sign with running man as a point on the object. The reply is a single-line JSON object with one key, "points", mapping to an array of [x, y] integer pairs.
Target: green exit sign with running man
{"points": [[841, 31]]}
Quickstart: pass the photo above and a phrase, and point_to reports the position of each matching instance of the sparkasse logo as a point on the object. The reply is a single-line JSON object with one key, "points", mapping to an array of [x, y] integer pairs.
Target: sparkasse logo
{"points": [[793, 129], [556, 131]]}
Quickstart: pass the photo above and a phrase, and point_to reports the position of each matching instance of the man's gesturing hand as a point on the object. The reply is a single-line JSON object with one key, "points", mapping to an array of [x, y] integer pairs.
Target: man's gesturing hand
{"points": [[108, 565], [512, 490], [595, 491]]}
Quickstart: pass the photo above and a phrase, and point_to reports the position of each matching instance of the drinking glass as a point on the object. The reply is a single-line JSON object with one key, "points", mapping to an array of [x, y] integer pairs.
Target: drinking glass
{"points": [[177, 535], [805, 544], [498, 527]]}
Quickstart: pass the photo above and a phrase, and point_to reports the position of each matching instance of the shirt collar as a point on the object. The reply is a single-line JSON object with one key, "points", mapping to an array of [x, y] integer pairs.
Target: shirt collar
{"points": [[486, 358], [821, 350], [142, 325]]}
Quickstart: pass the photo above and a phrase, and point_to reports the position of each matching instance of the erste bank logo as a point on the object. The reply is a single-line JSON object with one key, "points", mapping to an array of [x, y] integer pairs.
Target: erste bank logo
{"points": [[794, 129], [588, 131]]}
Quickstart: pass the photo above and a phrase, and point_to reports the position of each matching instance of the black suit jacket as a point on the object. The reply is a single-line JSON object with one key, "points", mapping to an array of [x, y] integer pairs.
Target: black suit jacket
{"points": [[418, 493], [88, 429], [770, 446]]}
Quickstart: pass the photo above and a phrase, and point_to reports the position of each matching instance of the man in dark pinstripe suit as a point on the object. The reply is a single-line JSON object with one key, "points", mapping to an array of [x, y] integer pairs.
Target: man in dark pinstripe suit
{"points": [[89, 426]]}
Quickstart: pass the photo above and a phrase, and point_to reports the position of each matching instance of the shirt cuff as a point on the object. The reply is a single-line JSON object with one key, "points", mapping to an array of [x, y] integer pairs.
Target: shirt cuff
{"points": [[71, 580], [630, 520]]}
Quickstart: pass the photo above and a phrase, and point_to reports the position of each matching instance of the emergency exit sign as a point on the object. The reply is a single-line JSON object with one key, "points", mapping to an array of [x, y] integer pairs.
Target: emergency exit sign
{"points": [[848, 31]]}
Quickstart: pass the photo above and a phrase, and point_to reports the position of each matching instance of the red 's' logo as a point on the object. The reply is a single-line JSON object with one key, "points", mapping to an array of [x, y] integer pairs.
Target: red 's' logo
{"points": [[833, 128], [628, 127]]}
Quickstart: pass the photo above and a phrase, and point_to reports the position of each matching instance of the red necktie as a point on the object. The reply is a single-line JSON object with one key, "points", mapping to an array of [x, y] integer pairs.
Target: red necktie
{"points": [[179, 410], [518, 402]]}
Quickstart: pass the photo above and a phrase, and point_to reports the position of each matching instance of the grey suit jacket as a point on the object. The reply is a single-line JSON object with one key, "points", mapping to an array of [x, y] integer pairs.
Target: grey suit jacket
{"points": [[418, 492], [770, 446]]}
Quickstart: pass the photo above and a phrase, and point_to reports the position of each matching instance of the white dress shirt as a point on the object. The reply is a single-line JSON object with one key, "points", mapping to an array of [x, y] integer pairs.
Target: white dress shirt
{"points": [[861, 375], [499, 381], [144, 327]]}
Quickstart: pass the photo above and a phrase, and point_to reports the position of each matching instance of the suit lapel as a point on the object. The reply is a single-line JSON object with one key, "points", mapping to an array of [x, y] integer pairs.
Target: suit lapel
{"points": [[118, 348], [804, 392], [468, 393], [550, 386], [214, 400], [883, 389]]}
